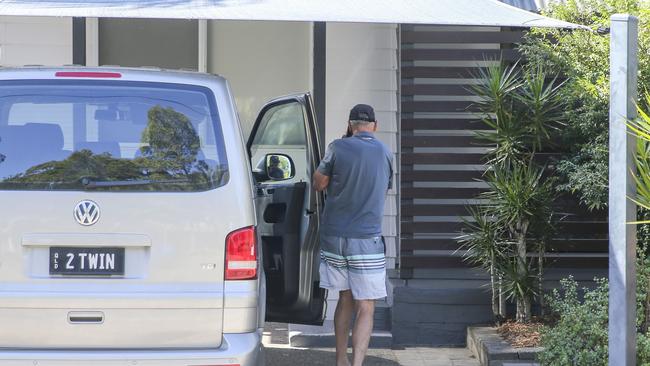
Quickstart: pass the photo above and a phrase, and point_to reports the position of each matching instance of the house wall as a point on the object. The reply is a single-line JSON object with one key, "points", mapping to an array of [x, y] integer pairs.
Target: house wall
{"points": [[35, 40], [165, 43], [261, 60], [362, 68]]}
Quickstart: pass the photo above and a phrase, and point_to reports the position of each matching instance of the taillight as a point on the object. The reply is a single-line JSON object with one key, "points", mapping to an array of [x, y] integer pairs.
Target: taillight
{"points": [[241, 255]]}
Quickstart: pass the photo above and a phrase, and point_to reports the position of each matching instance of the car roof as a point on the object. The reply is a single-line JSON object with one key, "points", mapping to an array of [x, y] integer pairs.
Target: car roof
{"points": [[149, 74]]}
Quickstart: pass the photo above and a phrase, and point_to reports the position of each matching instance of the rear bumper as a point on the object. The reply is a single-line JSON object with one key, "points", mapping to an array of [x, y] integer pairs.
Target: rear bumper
{"points": [[243, 349]]}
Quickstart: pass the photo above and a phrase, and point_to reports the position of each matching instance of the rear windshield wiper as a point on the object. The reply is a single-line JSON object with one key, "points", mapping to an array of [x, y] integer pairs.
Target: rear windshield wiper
{"points": [[125, 183]]}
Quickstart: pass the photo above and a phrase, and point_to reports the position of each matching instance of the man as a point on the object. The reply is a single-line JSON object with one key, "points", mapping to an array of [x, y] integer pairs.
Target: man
{"points": [[357, 172], [275, 171]]}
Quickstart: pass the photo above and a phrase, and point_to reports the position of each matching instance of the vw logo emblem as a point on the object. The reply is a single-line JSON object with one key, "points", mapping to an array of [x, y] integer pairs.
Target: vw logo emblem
{"points": [[86, 212]]}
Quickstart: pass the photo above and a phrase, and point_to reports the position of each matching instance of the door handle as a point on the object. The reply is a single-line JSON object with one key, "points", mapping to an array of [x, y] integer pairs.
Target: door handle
{"points": [[310, 212], [85, 317]]}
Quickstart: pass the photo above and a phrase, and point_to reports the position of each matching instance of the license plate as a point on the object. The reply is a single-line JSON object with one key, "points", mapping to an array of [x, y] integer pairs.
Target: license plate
{"points": [[86, 261]]}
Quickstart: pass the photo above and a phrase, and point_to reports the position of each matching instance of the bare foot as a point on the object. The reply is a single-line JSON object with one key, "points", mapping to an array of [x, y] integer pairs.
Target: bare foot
{"points": [[344, 362]]}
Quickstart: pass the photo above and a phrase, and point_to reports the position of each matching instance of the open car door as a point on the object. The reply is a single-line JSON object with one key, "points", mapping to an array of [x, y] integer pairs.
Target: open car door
{"points": [[284, 153]]}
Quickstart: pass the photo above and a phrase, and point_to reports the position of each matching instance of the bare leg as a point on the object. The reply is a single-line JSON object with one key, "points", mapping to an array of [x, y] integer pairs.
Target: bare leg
{"points": [[365, 310], [342, 320]]}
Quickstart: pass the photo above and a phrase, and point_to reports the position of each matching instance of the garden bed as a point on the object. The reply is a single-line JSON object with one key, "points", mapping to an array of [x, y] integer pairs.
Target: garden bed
{"points": [[491, 349], [521, 335]]}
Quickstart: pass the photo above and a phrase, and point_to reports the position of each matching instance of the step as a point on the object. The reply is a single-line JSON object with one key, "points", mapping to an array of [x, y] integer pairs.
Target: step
{"points": [[323, 336]]}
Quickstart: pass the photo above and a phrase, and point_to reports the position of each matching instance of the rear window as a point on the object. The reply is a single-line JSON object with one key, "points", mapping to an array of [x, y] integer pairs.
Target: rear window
{"points": [[110, 136]]}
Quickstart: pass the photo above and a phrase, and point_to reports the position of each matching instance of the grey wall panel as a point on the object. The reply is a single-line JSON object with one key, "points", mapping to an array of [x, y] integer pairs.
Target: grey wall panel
{"points": [[165, 43]]}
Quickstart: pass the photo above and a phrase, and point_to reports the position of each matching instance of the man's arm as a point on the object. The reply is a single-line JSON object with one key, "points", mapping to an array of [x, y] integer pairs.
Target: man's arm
{"points": [[320, 181], [322, 174]]}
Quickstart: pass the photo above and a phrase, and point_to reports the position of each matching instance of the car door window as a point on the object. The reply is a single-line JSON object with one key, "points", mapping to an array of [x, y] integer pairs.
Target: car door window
{"points": [[282, 130]]}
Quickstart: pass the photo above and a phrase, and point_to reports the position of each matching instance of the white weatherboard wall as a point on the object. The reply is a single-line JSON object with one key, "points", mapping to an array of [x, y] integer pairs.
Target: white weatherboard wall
{"points": [[262, 60], [362, 68], [35, 41]]}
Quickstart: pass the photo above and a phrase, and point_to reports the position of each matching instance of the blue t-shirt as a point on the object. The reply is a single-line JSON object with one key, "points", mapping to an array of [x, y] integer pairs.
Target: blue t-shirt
{"points": [[360, 171]]}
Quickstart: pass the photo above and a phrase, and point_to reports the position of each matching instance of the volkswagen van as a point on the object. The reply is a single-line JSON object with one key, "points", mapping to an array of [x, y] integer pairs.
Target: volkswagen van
{"points": [[139, 227]]}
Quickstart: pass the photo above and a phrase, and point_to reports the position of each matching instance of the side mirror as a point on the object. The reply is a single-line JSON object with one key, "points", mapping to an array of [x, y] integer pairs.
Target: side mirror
{"points": [[279, 167], [275, 167]]}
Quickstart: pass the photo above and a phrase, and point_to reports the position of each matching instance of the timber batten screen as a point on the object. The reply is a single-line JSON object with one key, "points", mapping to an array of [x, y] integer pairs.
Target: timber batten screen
{"points": [[441, 160]]}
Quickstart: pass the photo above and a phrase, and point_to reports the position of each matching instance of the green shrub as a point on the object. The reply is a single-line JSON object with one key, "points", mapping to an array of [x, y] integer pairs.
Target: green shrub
{"points": [[583, 57], [579, 335]]}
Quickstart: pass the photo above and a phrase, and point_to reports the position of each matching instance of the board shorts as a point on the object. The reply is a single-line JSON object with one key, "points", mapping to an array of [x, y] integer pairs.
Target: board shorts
{"points": [[353, 264]]}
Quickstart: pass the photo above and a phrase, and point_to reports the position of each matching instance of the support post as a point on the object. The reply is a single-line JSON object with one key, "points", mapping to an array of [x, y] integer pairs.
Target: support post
{"points": [[622, 236], [203, 46], [319, 80], [79, 41], [92, 41]]}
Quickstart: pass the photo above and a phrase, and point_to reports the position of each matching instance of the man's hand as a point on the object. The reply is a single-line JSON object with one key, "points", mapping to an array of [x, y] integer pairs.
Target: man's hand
{"points": [[320, 181]]}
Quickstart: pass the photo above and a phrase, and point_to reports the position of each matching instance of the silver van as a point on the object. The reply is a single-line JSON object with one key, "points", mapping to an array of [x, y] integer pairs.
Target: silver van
{"points": [[138, 227]]}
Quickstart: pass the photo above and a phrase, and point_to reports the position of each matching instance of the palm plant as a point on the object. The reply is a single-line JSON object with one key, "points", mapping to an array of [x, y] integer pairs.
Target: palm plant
{"points": [[484, 247], [543, 106], [497, 87], [519, 285], [641, 128], [524, 109], [507, 136], [520, 200]]}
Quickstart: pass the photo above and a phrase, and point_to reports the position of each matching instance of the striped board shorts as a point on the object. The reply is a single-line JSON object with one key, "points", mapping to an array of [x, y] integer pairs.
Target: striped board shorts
{"points": [[353, 264]]}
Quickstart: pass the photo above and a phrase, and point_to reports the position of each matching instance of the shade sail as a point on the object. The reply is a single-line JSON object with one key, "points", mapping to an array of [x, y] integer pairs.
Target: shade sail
{"points": [[439, 12], [532, 5]]}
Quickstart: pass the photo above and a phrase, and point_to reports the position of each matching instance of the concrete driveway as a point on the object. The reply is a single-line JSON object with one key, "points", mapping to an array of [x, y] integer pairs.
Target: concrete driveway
{"points": [[278, 356], [280, 353]]}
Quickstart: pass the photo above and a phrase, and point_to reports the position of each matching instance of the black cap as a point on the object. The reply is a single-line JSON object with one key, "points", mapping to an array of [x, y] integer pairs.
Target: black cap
{"points": [[362, 112]]}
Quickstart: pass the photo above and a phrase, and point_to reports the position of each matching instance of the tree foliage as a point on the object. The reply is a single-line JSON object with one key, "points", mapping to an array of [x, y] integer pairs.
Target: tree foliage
{"points": [[170, 142], [583, 58], [168, 161]]}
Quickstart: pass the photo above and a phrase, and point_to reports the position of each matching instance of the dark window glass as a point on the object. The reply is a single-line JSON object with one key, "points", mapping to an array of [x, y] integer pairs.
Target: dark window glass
{"points": [[282, 125], [96, 135], [282, 130]]}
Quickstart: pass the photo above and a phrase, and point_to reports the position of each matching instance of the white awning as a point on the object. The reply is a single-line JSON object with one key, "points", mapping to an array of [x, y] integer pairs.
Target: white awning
{"points": [[532, 5], [439, 12]]}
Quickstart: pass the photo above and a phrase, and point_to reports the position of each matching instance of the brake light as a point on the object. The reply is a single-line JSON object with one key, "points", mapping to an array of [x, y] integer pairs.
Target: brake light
{"points": [[241, 254], [88, 74]]}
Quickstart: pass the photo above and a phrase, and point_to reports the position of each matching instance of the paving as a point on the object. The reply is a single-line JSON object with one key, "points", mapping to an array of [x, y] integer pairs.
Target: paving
{"points": [[280, 353]]}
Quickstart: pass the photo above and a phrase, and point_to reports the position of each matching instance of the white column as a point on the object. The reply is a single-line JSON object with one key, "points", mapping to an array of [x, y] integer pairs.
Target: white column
{"points": [[203, 45], [92, 42], [622, 236]]}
